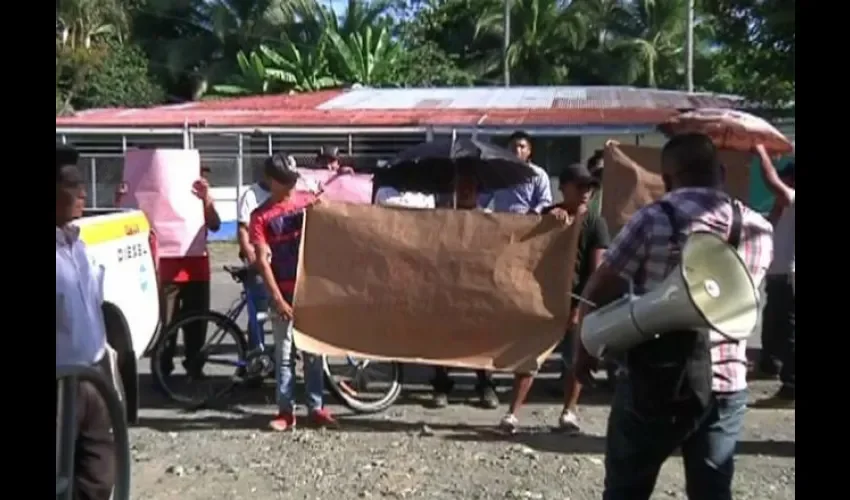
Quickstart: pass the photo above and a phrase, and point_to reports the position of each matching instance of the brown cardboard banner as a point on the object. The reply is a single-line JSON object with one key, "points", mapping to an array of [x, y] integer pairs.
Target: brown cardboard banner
{"points": [[455, 288], [628, 187]]}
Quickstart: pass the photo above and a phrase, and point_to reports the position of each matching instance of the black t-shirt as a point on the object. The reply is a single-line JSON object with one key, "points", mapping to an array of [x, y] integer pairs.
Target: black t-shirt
{"points": [[594, 236]]}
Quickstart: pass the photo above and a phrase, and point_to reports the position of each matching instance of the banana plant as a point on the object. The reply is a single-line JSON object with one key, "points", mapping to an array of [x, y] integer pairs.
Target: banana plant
{"points": [[253, 78], [301, 70], [367, 57]]}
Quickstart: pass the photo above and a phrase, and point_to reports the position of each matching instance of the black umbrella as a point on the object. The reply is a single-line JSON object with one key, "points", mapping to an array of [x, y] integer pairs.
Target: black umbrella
{"points": [[431, 167]]}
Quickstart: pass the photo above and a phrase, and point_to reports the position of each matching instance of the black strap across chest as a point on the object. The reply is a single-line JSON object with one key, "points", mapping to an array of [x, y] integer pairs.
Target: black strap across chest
{"points": [[677, 235], [735, 229]]}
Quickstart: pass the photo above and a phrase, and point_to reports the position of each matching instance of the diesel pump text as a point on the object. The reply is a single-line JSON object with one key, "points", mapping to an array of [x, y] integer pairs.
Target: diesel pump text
{"points": [[133, 251]]}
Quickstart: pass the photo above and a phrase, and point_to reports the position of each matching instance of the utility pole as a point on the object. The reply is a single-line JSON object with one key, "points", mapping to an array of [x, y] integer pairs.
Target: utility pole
{"points": [[689, 63], [507, 43]]}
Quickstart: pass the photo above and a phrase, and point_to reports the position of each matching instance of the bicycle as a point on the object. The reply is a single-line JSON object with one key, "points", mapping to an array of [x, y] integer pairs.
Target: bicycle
{"points": [[255, 359]]}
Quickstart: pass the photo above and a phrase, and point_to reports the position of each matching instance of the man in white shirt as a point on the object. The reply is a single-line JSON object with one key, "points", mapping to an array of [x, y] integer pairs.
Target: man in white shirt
{"points": [[253, 197], [529, 197], [81, 333], [778, 325]]}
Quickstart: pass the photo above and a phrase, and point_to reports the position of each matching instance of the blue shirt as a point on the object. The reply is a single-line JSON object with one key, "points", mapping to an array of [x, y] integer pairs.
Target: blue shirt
{"points": [[533, 196]]}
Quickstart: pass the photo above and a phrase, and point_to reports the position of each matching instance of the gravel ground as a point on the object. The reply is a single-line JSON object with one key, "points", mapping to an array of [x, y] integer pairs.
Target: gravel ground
{"points": [[415, 452]]}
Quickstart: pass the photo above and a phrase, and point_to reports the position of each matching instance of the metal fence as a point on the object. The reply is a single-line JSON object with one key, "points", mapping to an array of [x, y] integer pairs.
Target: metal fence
{"points": [[233, 159]]}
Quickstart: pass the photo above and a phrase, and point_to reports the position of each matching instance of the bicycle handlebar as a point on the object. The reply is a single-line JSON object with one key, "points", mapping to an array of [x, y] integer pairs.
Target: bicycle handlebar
{"points": [[70, 377]]}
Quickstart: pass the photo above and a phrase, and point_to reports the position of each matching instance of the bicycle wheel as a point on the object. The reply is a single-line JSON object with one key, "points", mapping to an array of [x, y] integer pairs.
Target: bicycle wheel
{"points": [[362, 385], [213, 372]]}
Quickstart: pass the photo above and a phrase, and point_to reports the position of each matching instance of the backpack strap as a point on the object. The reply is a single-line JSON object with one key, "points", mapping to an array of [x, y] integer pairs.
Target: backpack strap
{"points": [[670, 212], [676, 237], [736, 229]]}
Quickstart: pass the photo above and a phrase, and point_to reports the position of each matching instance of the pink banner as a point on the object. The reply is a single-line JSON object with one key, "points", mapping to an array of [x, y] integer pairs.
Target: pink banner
{"points": [[346, 188], [159, 182]]}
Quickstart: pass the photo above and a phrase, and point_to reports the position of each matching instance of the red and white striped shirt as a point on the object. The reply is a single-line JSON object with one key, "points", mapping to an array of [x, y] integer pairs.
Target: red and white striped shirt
{"points": [[644, 245]]}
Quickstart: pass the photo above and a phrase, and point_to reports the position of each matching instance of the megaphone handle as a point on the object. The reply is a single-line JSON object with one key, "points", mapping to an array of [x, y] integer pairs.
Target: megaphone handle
{"points": [[583, 300], [594, 305]]}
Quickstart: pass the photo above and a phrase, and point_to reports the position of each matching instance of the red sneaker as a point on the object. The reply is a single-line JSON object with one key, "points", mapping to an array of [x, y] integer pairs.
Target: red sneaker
{"points": [[322, 418], [283, 422]]}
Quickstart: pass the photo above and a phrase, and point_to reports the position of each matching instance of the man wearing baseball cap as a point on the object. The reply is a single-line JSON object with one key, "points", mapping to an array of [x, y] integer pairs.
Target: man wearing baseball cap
{"points": [[328, 158], [275, 231], [577, 185]]}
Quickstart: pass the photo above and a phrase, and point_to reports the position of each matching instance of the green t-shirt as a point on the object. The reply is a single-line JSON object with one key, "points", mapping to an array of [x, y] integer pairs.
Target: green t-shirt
{"points": [[594, 236], [595, 205]]}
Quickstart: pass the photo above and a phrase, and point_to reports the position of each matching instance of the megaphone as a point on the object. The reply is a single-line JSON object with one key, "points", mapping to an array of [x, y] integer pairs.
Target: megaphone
{"points": [[711, 288]]}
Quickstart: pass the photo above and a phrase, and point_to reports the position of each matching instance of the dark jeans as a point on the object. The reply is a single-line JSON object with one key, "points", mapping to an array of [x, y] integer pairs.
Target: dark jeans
{"points": [[185, 298], [779, 332], [443, 384], [637, 446], [94, 454]]}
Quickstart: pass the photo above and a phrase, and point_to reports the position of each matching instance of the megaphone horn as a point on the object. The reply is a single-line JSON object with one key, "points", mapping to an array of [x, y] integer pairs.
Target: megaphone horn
{"points": [[711, 288]]}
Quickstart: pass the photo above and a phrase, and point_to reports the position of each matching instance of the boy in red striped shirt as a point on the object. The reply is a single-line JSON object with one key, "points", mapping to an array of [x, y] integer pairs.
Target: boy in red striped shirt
{"points": [[275, 230]]}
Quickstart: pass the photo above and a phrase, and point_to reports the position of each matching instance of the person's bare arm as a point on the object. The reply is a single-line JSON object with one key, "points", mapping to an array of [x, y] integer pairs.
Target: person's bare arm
{"points": [[603, 286], [211, 218], [616, 265], [120, 193], [201, 189], [621, 157], [263, 265], [245, 246], [783, 193]]}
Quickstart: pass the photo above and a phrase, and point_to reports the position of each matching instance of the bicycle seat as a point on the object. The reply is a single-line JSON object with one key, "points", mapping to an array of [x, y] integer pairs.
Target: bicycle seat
{"points": [[239, 274]]}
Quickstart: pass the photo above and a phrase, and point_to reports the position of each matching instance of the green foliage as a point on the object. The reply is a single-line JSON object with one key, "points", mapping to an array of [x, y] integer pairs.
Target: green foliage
{"points": [[106, 49], [121, 79], [427, 65], [365, 57], [759, 46]]}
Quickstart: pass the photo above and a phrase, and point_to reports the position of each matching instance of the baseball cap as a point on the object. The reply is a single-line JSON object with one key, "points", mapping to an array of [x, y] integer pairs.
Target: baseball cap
{"points": [[578, 174], [281, 168], [327, 153]]}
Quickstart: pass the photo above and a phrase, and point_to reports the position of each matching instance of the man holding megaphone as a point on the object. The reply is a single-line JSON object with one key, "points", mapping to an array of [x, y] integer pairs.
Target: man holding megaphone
{"points": [[694, 259]]}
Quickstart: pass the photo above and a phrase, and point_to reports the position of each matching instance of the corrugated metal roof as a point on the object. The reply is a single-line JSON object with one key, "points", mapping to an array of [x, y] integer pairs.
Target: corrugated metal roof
{"points": [[522, 98], [485, 107]]}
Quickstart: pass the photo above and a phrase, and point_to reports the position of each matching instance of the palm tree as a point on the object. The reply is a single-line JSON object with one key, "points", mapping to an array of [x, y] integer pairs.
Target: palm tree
{"points": [[80, 22], [650, 42], [543, 35], [310, 21]]}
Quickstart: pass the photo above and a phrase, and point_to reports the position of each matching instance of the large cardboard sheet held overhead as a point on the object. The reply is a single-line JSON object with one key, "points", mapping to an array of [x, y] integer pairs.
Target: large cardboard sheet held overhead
{"points": [[456, 288], [627, 188]]}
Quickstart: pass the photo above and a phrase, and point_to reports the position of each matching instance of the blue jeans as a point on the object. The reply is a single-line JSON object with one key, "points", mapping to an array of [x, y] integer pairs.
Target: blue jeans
{"points": [[284, 358], [637, 446], [257, 290]]}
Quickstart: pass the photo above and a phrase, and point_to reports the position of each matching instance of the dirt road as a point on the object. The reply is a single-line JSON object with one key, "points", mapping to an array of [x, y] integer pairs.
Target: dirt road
{"points": [[414, 452]]}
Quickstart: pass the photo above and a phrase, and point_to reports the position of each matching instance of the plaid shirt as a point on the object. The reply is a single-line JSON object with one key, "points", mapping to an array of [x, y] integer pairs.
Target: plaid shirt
{"points": [[644, 243]]}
